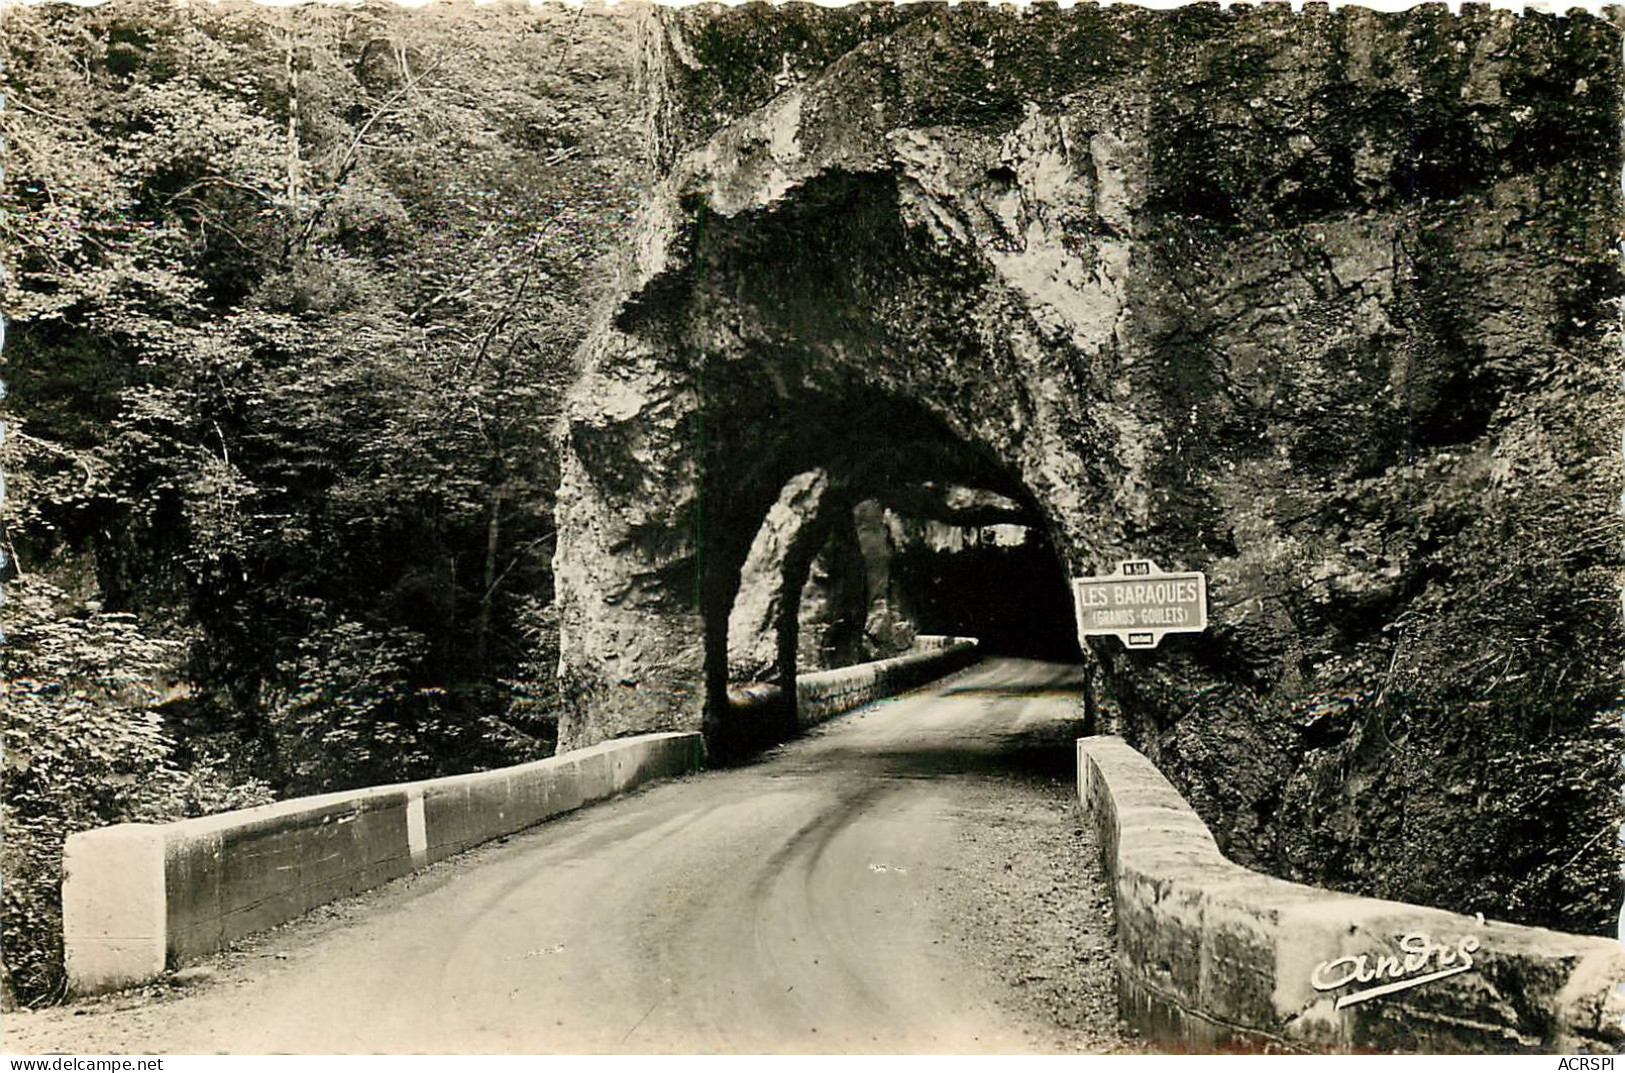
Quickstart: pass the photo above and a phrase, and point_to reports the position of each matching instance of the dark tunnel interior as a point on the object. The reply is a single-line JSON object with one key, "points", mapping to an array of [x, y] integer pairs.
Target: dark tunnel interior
{"points": [[1013, 598]]}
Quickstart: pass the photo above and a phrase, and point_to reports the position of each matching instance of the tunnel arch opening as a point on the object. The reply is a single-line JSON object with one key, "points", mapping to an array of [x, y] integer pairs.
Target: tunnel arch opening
{"points": [[889, 526]]}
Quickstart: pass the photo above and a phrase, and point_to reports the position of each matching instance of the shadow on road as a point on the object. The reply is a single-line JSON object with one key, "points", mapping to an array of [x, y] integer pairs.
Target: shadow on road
{"points": [[1047, 752], [1039, 689]]}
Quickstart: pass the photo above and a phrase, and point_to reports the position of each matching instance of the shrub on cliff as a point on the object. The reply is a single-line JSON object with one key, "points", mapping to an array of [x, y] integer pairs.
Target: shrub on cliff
{"points": [[85, 746]]}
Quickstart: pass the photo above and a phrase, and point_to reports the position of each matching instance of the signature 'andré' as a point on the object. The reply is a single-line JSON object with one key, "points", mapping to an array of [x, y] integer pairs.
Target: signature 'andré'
{"points": [[1398, 970]]}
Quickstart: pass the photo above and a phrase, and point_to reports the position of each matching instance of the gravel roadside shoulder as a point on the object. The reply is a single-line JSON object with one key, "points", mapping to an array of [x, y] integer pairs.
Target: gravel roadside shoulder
{"points": [[1033, 910]]}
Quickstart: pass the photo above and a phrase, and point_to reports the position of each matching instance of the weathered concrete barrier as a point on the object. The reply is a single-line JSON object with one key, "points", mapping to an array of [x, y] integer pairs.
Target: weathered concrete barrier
{"points": [[139, 898], [1213, 954], [824, 694]]}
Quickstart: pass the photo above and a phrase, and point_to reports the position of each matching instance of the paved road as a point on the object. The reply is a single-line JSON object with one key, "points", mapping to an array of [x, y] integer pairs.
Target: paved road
{"points": [[868, 887]]}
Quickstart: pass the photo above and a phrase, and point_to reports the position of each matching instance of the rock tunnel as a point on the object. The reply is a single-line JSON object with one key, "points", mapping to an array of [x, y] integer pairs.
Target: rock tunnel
{"points": [[825, 370], [1263, 294]]}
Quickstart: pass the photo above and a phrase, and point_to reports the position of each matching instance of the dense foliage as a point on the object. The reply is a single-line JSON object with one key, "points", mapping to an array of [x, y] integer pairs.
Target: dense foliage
{"points": [[293, 299]]}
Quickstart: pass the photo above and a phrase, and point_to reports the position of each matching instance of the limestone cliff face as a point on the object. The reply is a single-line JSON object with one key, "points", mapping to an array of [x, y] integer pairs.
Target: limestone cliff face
{"points": [[1317, 304]]}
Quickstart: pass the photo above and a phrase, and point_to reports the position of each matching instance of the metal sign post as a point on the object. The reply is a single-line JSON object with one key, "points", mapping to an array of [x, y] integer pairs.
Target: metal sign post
{"points": [[1140, 604]]}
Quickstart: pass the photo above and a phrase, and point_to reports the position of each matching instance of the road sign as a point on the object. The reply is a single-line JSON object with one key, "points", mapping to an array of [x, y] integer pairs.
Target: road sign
{"points": [[1139, 604]]}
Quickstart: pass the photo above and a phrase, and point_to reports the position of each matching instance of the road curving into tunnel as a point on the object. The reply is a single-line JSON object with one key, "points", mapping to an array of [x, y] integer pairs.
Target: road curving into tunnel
{"points": [[910, 877]]}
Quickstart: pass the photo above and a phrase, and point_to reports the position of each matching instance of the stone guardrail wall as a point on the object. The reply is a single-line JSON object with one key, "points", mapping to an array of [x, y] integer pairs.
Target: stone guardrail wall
{"points": [[824, 694], [140, 898], [1214, 955]]}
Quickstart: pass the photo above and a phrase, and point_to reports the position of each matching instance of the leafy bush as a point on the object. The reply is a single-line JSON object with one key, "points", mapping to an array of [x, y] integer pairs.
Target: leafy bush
{"points": [[84, 747], [355, 718]]}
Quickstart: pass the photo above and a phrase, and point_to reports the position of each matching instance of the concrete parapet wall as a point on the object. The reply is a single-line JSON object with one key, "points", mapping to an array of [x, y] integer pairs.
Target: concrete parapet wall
{"points": [[1211, 954], [140, 898], [824, 694]]}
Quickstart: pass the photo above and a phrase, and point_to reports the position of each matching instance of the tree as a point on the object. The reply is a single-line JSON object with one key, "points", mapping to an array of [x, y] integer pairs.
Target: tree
{"points": [[295, 297]]}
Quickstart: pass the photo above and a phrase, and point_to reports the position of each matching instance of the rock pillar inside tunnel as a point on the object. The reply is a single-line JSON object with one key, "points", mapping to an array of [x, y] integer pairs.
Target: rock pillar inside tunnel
{"points": [[1315, 303], [834, 606], [886, 624], [818, 580], [810, 520]]}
